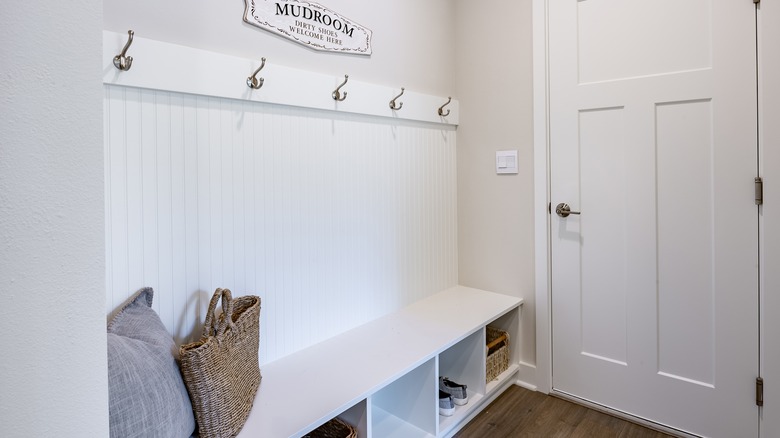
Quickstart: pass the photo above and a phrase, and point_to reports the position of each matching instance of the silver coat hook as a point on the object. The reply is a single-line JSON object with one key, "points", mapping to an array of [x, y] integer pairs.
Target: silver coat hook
{"points": [[337, 95], [441, 108], [252, 81], [121, 61], [393, 105]]}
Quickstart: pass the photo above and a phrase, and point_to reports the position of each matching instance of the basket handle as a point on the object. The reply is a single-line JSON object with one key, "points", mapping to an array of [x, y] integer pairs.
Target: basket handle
{"points": [[497, 341], [212, 326]]}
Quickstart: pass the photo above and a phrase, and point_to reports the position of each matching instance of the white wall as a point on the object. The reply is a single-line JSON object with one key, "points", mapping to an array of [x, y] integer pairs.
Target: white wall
{"points": [[412, 39], [52, 249], [495, 216]]}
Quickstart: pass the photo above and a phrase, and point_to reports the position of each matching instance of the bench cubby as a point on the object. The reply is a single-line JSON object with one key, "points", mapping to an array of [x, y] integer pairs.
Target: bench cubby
{"points": [[464, 363], [406, 407]]}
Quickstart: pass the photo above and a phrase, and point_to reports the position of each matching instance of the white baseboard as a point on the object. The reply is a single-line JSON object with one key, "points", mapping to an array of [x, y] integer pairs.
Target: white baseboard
{"points": [[526, 376]]}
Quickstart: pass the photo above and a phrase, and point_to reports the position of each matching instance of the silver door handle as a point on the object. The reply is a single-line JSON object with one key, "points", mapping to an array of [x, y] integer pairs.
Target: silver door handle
{"points": [[563, 210]]}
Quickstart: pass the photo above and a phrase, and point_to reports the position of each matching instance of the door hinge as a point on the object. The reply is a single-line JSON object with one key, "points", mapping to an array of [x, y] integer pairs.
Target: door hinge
{"points": [[759, 391], [759, 190], [756, 1]]}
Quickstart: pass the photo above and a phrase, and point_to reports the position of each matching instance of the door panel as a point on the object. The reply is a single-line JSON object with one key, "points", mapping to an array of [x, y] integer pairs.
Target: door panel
{"points": [[603, 304], [618, 47], [685, 172], [653, 139]]}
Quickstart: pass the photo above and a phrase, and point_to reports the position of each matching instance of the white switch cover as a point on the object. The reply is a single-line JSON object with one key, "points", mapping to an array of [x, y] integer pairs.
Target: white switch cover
{"points": [[506, 161]]}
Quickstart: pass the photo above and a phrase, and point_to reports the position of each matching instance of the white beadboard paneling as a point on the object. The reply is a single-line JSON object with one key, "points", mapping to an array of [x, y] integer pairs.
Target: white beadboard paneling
{"points": [[148, 232], [333, 219], [135, 260]]}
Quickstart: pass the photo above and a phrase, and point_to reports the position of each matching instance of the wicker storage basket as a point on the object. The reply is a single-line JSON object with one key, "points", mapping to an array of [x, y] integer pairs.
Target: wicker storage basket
{"points": [[497, 352], [221, 370], [334, 428]]}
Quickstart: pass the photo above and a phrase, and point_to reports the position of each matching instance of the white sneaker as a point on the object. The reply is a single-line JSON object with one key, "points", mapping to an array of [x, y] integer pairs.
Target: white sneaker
{"points": [[460, 395], [446, 406]]}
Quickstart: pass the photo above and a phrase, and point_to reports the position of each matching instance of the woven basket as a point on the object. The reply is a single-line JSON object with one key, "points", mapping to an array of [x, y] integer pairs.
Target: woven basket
{"points": [[334, 428], [497, 355], [221, 370]]}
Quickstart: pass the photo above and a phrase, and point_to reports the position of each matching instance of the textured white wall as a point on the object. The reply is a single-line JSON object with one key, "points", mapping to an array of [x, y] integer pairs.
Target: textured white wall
{"points": [[412, 39], [495, 216], [52, 249]]}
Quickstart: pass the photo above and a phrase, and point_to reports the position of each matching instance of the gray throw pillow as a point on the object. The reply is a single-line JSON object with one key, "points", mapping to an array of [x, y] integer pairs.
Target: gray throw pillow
{"points": [[146, 393]]}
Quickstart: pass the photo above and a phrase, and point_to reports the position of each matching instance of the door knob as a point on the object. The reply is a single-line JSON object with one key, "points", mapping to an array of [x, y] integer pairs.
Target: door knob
{"points": [[563, 210]]}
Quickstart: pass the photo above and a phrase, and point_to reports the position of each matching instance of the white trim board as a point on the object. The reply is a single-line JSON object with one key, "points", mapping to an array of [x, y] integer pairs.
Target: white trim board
{"points": [[541, 199], [159, 65]]}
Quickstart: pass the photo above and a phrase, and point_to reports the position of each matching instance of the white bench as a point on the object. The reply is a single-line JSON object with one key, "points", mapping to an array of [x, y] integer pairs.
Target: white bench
{"points": [[382, 377]]}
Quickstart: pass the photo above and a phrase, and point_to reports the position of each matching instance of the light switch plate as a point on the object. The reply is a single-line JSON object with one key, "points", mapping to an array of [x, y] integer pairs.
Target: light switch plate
{"points": [[506, 161]]}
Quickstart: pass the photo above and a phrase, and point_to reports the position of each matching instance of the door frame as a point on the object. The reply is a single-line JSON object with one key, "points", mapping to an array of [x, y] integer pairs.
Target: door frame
{"points": [[770, 165], [769, 280]]}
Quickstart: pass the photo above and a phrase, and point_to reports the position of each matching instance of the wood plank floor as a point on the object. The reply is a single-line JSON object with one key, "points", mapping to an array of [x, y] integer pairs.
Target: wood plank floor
{"points": [[519, 412]]}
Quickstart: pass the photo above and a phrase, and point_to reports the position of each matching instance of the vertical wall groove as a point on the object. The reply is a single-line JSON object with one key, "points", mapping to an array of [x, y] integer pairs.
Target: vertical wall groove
{"points": [[332, 220]]}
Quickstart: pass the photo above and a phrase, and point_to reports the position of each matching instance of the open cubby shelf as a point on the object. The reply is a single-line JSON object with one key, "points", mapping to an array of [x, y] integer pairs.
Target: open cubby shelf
{"points": [[383, 376]]}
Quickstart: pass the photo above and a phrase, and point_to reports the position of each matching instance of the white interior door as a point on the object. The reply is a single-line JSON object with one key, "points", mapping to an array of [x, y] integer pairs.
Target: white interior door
{"points": [[653, 140]]}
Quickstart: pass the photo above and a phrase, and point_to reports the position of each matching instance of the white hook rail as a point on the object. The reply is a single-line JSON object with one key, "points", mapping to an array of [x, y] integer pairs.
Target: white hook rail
{"points": [[171, 67]]}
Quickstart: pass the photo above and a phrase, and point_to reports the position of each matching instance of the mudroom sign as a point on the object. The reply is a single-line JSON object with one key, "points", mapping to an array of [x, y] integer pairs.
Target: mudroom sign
{"points": [[309, 24]]}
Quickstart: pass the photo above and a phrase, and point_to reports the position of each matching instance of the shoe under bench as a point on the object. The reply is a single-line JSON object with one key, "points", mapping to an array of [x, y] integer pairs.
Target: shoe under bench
{"points": [[382, 377]]}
